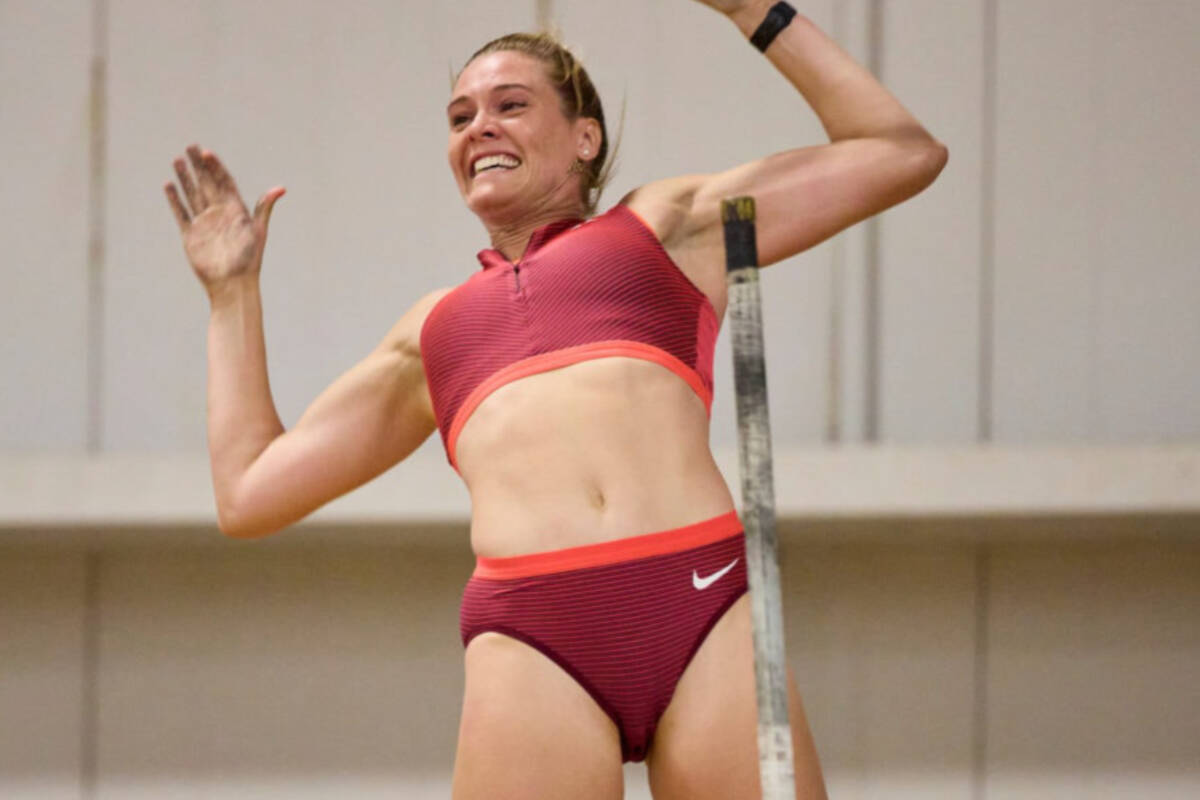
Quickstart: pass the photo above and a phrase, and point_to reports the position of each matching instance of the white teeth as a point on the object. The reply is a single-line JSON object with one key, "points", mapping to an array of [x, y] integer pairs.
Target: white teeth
{"points": [[499, 160]]}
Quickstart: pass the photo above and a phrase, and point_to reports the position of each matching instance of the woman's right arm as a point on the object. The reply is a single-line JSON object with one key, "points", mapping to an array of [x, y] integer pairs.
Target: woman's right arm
{"points": [[369, 419], [373, 416]]}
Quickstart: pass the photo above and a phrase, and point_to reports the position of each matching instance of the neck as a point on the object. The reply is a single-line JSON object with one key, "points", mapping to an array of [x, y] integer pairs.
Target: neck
{"points": [[512, 236]]}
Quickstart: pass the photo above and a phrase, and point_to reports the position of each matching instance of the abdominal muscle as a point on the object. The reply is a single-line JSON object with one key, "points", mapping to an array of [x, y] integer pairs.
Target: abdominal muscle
{"points": [[592, 452]]}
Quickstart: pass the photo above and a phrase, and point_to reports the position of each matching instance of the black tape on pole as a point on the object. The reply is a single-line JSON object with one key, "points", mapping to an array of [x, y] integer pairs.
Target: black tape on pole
{"points": [[758, 498], [741, 246]]}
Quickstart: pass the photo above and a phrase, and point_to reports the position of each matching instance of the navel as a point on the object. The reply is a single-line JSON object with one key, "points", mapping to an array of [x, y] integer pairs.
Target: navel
{"points": [[598, 498]]}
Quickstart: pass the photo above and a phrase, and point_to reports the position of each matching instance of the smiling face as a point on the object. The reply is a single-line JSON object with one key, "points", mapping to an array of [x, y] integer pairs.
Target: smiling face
{"points": [[511, 146]]}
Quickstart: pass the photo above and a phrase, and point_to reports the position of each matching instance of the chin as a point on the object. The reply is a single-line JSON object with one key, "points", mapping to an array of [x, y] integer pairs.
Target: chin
{"points": [[492, 204]]}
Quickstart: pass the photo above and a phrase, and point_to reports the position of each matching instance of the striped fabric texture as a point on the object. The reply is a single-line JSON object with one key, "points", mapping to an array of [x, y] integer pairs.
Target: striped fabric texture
{"points": [[625, 631], [582, 290]]}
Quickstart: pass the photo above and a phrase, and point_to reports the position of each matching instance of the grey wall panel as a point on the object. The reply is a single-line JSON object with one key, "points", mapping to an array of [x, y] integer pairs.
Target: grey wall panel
{"points": [[1147, 240], [929, 268], [242, 671], [343, 107], [1045, 387], [41, 675], [851, 373], [1096, 193], [255, 669], [45, 51], [1096, 181], [1092, 676], [701, 99], [882, 643]]}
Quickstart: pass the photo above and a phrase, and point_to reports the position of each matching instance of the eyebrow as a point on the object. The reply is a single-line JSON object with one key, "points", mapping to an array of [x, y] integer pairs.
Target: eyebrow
{"points": [[500, 88]]}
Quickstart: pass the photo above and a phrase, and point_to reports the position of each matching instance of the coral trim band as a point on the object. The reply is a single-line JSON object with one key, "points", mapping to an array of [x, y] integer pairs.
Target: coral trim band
{"points": [[565, 357], [645, 545]]}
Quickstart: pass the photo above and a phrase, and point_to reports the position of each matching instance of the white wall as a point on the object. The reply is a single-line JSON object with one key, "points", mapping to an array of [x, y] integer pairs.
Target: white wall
{"points": [[1096, 192], [342, 105], [1042, 290], [44, 123]]}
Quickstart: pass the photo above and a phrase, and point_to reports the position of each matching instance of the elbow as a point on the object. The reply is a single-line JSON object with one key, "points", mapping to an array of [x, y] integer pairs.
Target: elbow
{"points": [[939, 155], [236, 525], [924, 159], [931, 161], [242, 512], [229, 523]]}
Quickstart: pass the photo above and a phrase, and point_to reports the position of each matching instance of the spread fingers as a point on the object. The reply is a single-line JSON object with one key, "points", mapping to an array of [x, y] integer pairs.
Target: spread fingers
{"points": [[222, 180], [181, 214], [194, 198], [206, 188]]}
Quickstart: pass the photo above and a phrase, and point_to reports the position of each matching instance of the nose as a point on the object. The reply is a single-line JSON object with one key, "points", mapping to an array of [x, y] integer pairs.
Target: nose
{"points": [[483, 126]]}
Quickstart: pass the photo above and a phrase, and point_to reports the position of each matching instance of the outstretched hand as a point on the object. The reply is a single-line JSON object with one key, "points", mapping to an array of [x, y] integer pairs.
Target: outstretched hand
{"points": [[221, 238]]}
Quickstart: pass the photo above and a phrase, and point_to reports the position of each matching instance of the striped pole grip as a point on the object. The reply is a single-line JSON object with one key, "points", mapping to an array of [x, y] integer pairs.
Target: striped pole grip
{"points": [[758, 499]]}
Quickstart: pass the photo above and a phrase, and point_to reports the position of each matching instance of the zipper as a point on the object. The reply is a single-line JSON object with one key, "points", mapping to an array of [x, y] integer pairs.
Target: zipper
{"points": [[517, 276]]}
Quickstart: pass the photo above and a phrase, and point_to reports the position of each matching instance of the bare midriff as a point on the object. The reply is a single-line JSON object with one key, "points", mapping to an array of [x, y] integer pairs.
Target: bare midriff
{"points": [[592, 452]]}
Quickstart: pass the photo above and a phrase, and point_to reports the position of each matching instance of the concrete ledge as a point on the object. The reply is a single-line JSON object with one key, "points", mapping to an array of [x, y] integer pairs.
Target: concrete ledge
{"points": [[987, 480], [847, 489]]}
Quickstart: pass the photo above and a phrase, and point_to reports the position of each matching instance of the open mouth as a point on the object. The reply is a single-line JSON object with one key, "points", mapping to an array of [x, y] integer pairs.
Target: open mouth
{"points": [[499, 161]]}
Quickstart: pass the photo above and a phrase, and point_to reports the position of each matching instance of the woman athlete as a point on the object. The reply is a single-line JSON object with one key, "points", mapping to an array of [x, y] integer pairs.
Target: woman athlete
{"points": [[570, 377]]}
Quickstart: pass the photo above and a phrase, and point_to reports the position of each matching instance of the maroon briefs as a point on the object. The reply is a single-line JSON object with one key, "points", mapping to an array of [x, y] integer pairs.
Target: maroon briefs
{"points": [[624, 618]]}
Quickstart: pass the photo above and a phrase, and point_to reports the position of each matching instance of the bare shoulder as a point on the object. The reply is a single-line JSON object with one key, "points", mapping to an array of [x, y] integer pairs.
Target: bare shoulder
{"points": [[669, 208], [405, 335], [666, 206]]}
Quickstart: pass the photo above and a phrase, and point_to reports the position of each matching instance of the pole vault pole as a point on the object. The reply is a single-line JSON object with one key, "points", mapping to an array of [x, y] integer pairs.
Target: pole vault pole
{"points": [[758, 499]]}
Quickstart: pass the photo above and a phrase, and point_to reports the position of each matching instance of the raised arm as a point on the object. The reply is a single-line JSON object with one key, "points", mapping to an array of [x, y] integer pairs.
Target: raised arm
{"points": [[878, 155], [376, 414]]}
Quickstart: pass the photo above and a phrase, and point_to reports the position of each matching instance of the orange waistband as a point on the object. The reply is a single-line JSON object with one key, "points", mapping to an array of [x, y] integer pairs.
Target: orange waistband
{"points": [[660, 543]]}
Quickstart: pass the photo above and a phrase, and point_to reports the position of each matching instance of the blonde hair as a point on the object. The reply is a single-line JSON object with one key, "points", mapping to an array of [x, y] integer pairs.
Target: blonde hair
{"points": [[577, 95]]}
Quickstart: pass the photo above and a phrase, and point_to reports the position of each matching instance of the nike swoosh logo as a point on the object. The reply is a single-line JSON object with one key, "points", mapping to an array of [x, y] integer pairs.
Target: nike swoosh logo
{"points": [[704, 583]]}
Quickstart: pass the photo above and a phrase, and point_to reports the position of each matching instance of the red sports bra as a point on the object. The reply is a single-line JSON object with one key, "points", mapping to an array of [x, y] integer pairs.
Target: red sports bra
{"points": [[582, 290]]}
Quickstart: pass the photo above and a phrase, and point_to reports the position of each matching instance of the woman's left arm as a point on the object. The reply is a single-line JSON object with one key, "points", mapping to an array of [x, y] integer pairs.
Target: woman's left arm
{"points": [[879, 154]]}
